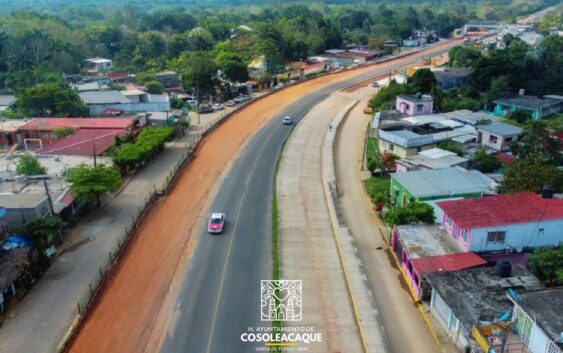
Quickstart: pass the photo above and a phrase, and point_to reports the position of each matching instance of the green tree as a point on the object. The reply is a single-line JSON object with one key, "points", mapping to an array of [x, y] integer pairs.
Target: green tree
{"points": [[463, 56], [530, 174], [199, 70], [41, 231], [452, 146], [235, 71], [88, 183], [536, 140], [51, 99], [547, 264], [29, 165], [154, 87], [500, 88], [385, 97], [423, 80], [487, 163], [412, 213]]}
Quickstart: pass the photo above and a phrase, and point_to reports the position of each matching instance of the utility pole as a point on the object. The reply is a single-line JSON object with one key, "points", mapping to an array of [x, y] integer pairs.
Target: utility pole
{"points": [[94, 149], [51, 209]]}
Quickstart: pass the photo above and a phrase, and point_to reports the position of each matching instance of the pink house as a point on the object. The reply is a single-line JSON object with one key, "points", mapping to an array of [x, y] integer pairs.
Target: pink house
{"points": [[414, 104], [504, 223], [423, 249]]}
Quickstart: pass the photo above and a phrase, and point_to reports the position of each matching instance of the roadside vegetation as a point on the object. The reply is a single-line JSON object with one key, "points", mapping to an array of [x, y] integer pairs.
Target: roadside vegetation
{"points": [[149, 143], [143, 38], [496, 73]]}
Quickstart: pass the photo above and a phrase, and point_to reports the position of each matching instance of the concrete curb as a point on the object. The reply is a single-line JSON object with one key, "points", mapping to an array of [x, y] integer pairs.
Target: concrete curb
{"points": [[328, 177], [383, 231], [74, 326]]}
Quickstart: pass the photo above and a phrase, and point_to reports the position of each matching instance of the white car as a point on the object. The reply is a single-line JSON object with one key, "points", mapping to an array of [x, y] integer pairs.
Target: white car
{"points": [[287, 120], [216, 223], [192, 102], [231, 103], [217, 106]]}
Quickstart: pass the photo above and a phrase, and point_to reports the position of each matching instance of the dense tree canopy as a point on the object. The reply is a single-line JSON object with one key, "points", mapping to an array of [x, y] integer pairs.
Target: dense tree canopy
{"points": [[51, 99]]}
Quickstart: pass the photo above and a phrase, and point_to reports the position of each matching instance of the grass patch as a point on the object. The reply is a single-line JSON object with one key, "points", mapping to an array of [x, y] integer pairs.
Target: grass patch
{"points": [[275, 239], [372, 150], [512, 122], [555, 122], [376, 185]]}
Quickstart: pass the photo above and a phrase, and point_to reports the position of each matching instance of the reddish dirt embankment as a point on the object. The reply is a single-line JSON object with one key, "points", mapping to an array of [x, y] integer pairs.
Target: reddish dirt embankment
{"points": [[123, 318]]}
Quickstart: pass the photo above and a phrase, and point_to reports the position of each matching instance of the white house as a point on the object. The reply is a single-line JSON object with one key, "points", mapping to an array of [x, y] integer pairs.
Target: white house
{"points": [[504, 222], [127, 101], [538, 321], [96, 65], [497, 136]]}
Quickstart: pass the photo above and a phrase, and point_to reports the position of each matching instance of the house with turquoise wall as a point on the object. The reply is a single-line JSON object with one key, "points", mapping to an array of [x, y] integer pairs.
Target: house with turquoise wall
{"points": [[426, 185], [539, 107], [537, 321]]}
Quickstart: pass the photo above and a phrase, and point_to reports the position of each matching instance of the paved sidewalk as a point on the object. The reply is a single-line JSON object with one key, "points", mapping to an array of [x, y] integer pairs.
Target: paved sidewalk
{"points": [[308, 251], [405, 328], [41, 319]]}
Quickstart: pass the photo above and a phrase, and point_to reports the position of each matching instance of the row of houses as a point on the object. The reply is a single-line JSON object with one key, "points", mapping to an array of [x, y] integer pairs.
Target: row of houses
{"points": [[413, 128], [84, 136], [469, 268], [448, 265]]}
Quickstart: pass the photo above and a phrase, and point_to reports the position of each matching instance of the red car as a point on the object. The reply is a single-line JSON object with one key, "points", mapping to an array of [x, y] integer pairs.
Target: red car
{"points": [[216, 223]]}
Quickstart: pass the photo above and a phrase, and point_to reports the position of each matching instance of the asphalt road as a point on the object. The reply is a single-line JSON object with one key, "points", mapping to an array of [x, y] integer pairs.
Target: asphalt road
{"points": [[220, 297]]}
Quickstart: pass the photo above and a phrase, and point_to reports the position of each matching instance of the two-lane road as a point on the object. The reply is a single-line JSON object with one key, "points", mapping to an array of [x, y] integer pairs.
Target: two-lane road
{"points": [[220, 297]]}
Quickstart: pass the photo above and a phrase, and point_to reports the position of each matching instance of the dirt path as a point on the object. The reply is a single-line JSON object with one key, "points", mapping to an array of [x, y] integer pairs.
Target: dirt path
{"points": [[125, 314]]}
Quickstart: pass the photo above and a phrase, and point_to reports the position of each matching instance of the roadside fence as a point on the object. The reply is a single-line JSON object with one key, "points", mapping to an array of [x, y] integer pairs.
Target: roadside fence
{"points": [[105, 269]]}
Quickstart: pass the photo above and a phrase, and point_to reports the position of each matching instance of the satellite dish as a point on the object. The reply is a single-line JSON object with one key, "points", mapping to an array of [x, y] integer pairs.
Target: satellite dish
{"points": [[519, 248], [2, 212]]}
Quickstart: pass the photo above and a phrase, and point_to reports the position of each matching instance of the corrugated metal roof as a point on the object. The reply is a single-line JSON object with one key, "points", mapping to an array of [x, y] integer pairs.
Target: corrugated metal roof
{"points": [[447, 262], [448, 181], [21, 200], [80, 143], [502, 210], [78, 123], [103, 97], [501, 129]]}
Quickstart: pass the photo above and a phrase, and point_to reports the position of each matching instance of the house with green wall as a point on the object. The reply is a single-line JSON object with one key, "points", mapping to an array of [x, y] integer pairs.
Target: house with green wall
{"points": [[539, 107], [427, 185]]}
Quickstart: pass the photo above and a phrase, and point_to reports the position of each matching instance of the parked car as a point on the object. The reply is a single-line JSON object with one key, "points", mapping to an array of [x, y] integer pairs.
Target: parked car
{"points": [[231, 103], [217, 106], [205, 109], [216, 223], [374, 84], [192, 102], [287, 120], [238, 99]]}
